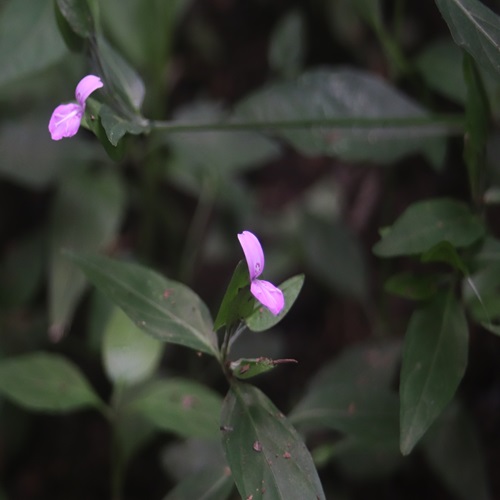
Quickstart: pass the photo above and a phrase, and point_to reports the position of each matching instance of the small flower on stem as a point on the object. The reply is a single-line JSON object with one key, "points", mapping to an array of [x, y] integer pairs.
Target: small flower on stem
{"points": [[266, 293], [66, 118]]}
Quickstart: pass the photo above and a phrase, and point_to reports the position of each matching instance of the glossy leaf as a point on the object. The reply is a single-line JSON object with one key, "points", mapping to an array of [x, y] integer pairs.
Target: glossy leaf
{"points": [[166, 309], [352, 395], [245, 368], [267, 457], [344, 94], [86, 215], [262, 319], [210, 483], [23, 23], [425, 224], [78, 15], [45, 382], [475, 28], [130, 355], [434, 362], [180, 406]]}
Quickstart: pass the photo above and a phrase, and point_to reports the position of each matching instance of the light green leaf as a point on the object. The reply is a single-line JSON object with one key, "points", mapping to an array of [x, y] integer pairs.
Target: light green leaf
{"points": [[475, 28], [262, 319], [345, 95], [85, 215], [29, 39], [264, 451], [130, 355], [210, 483], [434, 362], [45, 382], [181, 406], [166, 309], [425, 224]]}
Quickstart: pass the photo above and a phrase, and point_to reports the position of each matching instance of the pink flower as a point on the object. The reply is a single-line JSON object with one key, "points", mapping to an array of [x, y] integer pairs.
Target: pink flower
{"points": [[66, 118], [266, 293]]}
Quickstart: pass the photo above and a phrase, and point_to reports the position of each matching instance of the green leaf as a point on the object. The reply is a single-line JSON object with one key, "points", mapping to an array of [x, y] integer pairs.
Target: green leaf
{"points": [[445, 252], [245, 368], [262, 319], [425, 224], [412, 286], [166, 309], [86, 215], [133, 432], [235, 303], [434, 362], [347, 95], [45, 382], [130, 355], [117, 126], [454, 452], [29, 39], [267, 457], [78, 15], [335, 256], [475, 28], [353, 395], [181, 406], [210, 483]]}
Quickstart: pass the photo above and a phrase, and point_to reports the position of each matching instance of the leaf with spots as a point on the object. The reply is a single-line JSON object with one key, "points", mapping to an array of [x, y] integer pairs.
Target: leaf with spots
{"points": [[267, 456]]}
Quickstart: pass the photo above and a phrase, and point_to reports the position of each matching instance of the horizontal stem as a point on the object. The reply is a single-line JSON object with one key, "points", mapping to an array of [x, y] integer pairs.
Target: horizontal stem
{"points": [[454, 124]]}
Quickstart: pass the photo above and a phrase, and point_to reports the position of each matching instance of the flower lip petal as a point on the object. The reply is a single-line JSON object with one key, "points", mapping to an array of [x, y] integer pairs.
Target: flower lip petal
{"points": [[85, 87], [254, 254], [65, 121], [268, 295]]}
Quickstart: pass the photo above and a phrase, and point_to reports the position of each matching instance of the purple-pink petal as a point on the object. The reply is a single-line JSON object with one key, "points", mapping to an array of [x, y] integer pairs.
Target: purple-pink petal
{"points": [[254, 254], [268, 295], [85, 87], [65, 121]]}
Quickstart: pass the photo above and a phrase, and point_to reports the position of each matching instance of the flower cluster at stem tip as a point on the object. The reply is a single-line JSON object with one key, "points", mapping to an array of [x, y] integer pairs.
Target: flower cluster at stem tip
{"points": [[66, 118], [266, 293]]}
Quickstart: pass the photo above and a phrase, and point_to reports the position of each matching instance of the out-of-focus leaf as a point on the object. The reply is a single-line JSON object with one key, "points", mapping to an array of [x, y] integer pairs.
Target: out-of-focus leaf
{"points": [[453, 450], [411, 286], [180, 406], [352, 395], [343, 94], [475, 28], [425, 224], [445, 252], [45, 382], [335, 256], [287, 47], [29, 39], [133, 432], [262, 319], [244, 368], [78, 15], [166, 309], [211, 483], [130, 355], [264, 451], [86, 215], [434, 361], [490, 251], [117, 126]]}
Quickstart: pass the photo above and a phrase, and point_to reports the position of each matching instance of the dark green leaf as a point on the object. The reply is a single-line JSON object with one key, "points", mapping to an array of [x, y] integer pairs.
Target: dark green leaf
{"points": [[45, 382], [268, 459], [78, 15], [117, 126], [412, 286], [210, 483], [475, 28], [434, 362], [86, 215], [445, 252], [180, 406], [262, 319], [344, 94], [166, 309], [425, 224], [245, 368]]}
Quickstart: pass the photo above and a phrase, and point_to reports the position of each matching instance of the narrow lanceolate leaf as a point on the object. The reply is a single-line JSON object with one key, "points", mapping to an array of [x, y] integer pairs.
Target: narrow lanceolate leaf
{"points": [[78, 15], [434, 362], [166, 309], [344, 95], [45, 382], [475, 28], [267, 457], [427, 223], [181, 406]]}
